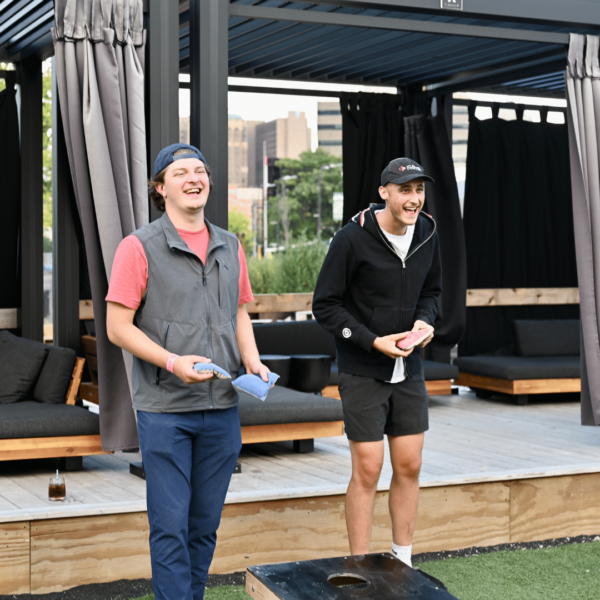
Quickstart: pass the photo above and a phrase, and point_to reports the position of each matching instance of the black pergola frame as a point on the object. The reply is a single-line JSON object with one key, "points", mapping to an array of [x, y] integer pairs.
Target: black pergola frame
{"points": [[209, 69]]}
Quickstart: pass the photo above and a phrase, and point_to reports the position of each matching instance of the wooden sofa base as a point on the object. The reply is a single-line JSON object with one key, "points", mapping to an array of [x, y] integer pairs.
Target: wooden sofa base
{"points": [[50, 447], [256, 434], [435, 387], [439, 387], [520, 388]]}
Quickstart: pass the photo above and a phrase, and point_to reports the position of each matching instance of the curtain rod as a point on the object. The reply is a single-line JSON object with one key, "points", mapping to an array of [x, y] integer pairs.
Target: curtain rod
{"points": [[515, 105], [185, 85]]}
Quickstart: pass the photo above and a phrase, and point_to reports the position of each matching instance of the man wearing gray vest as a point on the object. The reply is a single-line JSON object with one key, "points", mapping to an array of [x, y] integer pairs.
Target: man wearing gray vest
{"points": [[176, 297]]}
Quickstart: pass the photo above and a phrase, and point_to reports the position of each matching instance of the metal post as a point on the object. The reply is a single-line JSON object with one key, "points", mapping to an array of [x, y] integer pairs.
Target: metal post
{"points": [[65, 251], [209, 54], [278, 219], [319, 202], [162, 79], [323, 168], [265, 198], [284, 206], [32, 285]]}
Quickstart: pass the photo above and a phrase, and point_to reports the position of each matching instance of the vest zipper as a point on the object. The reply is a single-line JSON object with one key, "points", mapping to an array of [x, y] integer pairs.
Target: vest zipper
{"points": [[209, 323], [158, 370]]}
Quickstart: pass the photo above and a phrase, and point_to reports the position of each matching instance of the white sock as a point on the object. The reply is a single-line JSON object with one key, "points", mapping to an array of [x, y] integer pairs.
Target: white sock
{"points": [[403, 553]]}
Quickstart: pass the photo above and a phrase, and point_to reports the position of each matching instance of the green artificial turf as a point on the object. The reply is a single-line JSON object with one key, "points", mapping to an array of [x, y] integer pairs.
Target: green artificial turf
{"points": [[563, 573], [225, 592]]}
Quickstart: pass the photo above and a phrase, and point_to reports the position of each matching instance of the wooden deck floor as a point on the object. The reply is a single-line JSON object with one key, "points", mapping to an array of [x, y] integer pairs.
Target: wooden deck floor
{"points": [[469, 441]]}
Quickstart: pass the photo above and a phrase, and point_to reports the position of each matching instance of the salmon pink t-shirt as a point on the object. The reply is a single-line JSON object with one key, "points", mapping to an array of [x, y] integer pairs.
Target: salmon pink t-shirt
{"points": [[129, 277]]}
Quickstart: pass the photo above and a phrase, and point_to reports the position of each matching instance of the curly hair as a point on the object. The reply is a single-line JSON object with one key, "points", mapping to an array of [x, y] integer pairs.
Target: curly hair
{"points": [[159, 179]]}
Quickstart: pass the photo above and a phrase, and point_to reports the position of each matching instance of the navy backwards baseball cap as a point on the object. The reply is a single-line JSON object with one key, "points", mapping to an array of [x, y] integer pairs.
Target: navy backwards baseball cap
{"points": [[401, 170], [165, 156]]}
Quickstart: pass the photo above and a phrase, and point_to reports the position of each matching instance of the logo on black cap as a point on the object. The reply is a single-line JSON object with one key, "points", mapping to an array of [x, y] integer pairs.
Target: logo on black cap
{"points": [[405, 166]]}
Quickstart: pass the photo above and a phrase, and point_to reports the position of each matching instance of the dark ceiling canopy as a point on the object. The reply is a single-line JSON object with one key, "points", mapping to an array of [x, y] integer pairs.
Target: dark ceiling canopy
{"points": [[511, 46]]}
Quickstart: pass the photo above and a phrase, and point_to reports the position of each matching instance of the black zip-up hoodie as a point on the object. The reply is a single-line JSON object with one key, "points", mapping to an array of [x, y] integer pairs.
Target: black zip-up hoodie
{"points": [[365, 291]]}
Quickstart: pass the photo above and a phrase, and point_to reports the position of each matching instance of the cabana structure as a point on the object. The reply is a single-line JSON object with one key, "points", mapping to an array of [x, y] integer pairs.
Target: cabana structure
{"points": [[425, 48]]}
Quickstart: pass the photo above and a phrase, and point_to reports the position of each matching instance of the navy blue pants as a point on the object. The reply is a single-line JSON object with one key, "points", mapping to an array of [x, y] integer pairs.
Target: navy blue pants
{"points": [[189, 459]]}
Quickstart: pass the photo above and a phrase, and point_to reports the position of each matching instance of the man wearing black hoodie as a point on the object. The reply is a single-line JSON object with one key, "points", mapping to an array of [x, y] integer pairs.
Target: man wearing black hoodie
{"points": [[380, 280]]}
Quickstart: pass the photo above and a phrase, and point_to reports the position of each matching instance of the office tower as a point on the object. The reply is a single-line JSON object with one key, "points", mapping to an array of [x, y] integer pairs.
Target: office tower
{"points": [[329, 124]]}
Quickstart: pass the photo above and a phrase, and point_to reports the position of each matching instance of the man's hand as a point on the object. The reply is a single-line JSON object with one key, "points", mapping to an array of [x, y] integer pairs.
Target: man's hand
{"points": [[257, 368], [183, 367], [422, 325], [387, 345]]}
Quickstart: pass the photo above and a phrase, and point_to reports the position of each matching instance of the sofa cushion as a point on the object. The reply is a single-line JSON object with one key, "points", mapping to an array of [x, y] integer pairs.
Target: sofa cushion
{"points": [[29, 419], [557, 337], [21, 361], [517, 367], [436, 370], [288, 406], [53, 382], [334, 375], [293, 337]]}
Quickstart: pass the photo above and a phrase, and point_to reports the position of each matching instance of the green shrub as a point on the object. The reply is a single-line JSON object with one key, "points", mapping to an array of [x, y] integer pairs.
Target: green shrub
{"points": [[262, 275], [293, 271]]}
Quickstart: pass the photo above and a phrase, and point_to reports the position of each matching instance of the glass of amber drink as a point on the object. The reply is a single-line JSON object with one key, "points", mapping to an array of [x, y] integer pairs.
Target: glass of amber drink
{"points": [[57, 489]]}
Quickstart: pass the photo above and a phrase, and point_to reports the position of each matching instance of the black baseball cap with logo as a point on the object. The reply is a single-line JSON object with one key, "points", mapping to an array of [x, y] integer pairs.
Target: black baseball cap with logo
{"points": [[401, 170]]}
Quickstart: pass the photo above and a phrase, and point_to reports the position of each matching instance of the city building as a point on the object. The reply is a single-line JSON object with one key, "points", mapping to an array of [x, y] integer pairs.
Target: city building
{"points": [[184, 130], [329, 124], [286, 138], [241, 148]]}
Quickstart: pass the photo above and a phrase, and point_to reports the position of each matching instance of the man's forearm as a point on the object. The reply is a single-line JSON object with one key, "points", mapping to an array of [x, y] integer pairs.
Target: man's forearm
{"points": [[134, 340]]}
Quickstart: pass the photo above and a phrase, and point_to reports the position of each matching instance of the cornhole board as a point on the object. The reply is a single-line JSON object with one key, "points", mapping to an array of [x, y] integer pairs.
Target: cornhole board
{"points": [[366, 577]]}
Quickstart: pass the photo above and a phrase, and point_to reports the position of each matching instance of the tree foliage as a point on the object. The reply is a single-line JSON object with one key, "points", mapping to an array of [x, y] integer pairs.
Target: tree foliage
{"points": [[239, 223], [296, 210]]}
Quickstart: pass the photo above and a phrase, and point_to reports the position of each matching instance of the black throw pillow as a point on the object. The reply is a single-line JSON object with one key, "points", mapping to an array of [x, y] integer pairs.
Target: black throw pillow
{"points": [[556, 337], [53, 382], [21, 361]]}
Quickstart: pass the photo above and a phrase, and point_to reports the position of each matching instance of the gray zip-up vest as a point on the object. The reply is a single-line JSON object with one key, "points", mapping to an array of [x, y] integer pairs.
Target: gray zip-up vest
{"points": [[188, 308]]}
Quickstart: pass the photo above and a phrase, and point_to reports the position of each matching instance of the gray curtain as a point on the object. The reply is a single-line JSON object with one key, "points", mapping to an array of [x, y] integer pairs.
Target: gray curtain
{"points": [[583, 95], [99, 50]]}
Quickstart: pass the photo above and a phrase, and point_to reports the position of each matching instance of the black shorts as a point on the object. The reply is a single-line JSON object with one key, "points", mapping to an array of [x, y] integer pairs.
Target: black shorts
{"points": [[373, 407]]}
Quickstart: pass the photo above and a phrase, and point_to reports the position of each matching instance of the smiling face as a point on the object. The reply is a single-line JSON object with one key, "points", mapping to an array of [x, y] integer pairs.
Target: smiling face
{"points": [[186, 186], [403, 203]]}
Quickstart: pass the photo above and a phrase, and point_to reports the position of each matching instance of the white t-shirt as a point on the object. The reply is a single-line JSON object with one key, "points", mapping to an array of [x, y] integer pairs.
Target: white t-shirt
{"points": [[401, 243]]}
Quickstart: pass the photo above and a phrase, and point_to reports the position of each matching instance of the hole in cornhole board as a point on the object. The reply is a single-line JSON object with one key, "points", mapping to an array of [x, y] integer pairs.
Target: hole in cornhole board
{"points": [[347, 580], [364, 577]]}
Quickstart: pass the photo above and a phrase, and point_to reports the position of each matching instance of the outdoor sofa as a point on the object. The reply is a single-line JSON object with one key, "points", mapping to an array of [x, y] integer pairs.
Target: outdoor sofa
{"points": [[292, 414], [308, 337], [285, 415], [38, 417], [295, 415], [546, 360]]}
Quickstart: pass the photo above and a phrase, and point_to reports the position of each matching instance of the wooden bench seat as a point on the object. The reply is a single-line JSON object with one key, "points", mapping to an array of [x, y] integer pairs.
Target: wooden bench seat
{"points": [[69, 448]]}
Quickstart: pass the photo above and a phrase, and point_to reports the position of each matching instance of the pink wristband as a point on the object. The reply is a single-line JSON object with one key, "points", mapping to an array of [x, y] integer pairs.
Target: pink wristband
{"points": [[171, 361]]}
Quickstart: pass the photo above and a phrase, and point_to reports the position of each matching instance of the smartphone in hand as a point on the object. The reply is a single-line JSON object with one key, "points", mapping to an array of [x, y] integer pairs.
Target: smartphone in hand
{"points": [[414, 338]]}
